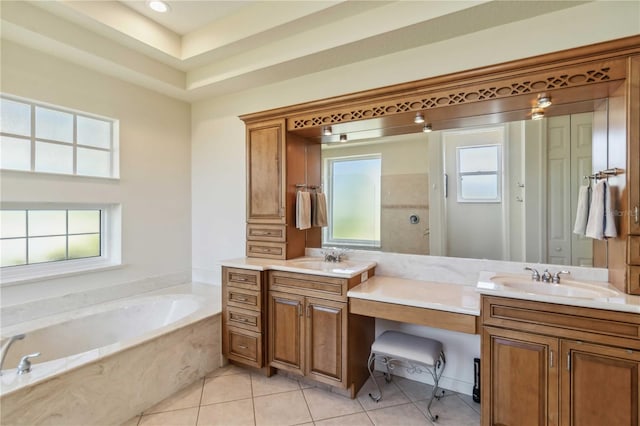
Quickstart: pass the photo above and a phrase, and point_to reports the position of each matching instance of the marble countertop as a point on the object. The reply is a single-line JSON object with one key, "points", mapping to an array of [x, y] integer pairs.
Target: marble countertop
{"points": [[616, 301], [422, 294], [304, 265]]}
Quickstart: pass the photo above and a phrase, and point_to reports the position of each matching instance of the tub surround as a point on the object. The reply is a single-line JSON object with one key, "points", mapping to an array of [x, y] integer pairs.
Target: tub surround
{"points": [[18, 311], [122, 379]]}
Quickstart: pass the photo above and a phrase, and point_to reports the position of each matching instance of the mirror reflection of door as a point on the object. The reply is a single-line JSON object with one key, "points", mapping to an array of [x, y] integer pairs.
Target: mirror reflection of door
{"points": [[476, 223], [569, 148]]}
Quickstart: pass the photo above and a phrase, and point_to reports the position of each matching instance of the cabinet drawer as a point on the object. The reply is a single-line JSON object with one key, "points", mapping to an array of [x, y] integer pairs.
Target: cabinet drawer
{"points": [[633, 249], [266, 249], [633, 279], [263, 232], [243, 346], [615, 328], [309, 285], [241, 298], [249, 320], [243, 278]]}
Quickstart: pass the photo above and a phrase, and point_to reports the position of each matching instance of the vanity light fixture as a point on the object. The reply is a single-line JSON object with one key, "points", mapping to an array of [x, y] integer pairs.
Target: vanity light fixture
{"points": [[343, 138], [537, 114], [427, 128], [158, 6], [544, 101], [419, 118], [327, 131]]}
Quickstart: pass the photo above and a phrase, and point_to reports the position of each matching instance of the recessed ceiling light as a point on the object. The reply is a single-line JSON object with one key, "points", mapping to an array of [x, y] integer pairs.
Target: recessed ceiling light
{"points": [[427, 128], [158, 6], [419, 118], [327, 131], [343, 138]]}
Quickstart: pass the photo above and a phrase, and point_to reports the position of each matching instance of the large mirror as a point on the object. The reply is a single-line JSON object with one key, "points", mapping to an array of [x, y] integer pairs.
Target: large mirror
{"points": [[489, 190]]}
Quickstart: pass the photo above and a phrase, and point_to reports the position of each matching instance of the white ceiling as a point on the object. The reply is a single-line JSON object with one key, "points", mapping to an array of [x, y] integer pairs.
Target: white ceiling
{"points": [[187, 16], [209, 48]]}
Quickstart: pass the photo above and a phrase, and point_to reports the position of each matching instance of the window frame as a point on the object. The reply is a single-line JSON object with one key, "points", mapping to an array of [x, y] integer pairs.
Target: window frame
{"points": [[328, 239], [113, 150], [110, 246], [497, 173]]}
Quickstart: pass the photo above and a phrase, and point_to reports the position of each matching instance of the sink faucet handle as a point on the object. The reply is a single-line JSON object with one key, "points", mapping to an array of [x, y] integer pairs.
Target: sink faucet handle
{"points": [[556, 276], [535, 276], [25, 365]]}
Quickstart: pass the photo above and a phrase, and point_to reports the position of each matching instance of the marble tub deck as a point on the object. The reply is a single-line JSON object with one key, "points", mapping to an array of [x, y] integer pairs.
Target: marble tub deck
{"points": [[111, 389], [236, 396]]}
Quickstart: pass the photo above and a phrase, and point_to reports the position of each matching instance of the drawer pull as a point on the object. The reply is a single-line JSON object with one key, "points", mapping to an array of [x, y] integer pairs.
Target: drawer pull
{"points": [[243, 347], [240, 279], [636, 214], [241, 299]]}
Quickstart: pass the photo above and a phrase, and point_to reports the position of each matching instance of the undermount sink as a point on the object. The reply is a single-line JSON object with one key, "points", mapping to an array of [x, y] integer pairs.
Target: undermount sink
{"points": [[320, 264], [567, 288]]}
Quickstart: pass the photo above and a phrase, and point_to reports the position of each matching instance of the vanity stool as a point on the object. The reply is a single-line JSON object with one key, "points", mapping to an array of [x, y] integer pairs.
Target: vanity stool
{"points": [[419, 354]]}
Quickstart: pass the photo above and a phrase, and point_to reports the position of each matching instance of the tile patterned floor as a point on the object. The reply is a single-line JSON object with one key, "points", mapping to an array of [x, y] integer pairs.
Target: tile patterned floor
{"points": [[235, 396]]}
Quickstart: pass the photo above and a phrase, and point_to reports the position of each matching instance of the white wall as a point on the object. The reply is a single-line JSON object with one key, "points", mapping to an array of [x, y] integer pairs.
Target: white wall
{"points": [[155, 180], [218, 150]]}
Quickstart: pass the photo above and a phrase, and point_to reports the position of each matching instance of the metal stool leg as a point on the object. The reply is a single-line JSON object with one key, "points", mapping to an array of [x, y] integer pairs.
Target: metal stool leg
{"points": [[370, 364], [436, 373]]}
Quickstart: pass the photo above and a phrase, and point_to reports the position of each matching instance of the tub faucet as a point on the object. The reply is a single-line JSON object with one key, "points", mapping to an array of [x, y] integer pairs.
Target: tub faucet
{"points": [[6, 346], [25, 365]]}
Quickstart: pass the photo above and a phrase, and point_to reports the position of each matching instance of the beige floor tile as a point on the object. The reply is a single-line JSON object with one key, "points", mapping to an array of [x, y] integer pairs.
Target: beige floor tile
{"points": [[323, 404], [391, 395], [451, 411], [468, 399], [281, 409], [185, 417], [186, 398], [227, 370], [226, 388], [416, 391], [357, 419], [234, 413], [131, 422], [277, 383], [399, 415]]}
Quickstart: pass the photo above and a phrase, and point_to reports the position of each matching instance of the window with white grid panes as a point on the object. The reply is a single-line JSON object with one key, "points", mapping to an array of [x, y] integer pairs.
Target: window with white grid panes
{"points": [[41, 138], [30, 236]]}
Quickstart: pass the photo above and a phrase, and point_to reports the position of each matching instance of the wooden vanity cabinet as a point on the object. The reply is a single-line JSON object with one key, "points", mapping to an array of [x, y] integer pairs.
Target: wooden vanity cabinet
{"points": [[549, 364], [275, 164], [311, 333], [243, 316]]}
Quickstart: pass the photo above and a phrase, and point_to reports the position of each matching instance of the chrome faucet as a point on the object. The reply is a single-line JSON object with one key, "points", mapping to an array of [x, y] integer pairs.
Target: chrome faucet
{"points": [[546, 276], [25, 365], [556, 276], [334, 254], [535, 276], [6, 346]]}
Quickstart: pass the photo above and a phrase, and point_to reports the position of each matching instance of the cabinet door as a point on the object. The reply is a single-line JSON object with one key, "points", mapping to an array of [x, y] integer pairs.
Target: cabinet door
{"points": [[326, 328], [265, 172], [520, 381], [599, 385], [633, 148], [286, 331]]}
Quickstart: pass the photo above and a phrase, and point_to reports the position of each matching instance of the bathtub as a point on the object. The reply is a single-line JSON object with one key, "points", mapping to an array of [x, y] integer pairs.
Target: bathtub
{"points": [[105, 364]]}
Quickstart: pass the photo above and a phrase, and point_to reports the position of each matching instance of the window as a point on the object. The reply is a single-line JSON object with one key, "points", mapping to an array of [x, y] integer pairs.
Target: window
{"points": [[479, 173], [39, 241], [40, 138], [354, 200], [37, 236]]}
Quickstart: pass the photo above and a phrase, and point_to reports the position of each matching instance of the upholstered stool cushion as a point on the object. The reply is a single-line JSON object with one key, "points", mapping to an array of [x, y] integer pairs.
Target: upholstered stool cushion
{"points": [[411, 348]]}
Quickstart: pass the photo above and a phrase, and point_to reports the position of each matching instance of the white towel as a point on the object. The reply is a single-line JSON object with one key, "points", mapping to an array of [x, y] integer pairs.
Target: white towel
{"points": [[303, 210], [601, 224], [319, 208], [582, 210]]}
